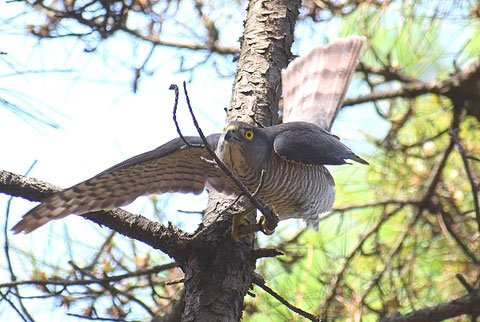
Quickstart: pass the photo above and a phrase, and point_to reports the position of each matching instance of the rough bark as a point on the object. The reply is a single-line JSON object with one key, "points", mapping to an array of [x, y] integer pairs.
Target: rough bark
{"points": [[265, 51], [217, 270]]}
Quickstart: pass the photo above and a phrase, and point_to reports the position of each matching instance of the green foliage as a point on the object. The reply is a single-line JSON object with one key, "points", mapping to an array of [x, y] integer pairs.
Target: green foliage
{"points": [[395, 250]]}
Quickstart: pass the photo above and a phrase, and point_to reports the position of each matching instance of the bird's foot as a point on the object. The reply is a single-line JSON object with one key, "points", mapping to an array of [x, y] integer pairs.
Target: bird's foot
{"points": [[263, 224], [239, 220]]}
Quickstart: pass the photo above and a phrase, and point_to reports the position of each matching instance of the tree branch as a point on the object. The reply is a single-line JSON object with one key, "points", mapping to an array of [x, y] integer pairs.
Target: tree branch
{"points": [[468, 304], [94, 280], [260, 282], [170, 240], [449, 87], [474, 186]]}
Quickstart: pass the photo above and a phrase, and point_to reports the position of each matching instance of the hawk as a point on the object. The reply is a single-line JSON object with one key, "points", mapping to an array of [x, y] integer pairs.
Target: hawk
{"points": [[292, 156]]}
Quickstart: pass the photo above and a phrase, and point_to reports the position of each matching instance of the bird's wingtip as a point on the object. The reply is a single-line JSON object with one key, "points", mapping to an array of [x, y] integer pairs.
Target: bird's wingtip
{"points": [[360, 160], [19, 227]]}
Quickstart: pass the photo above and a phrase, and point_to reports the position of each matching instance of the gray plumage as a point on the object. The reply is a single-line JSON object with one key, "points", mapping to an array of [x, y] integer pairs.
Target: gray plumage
{"points": [[315, 85], [295, 184]]}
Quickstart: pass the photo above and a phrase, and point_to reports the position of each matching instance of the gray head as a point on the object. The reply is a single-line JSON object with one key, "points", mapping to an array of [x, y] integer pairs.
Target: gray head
{"points": [[244, 147]]}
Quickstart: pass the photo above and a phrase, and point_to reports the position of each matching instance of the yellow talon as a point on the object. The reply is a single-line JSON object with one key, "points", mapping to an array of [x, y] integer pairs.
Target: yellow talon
{"points": [[238, 220], [265, 229]]}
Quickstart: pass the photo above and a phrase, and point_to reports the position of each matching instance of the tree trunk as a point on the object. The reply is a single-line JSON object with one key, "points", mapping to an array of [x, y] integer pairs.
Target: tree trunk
{"points": [[218, 270]]}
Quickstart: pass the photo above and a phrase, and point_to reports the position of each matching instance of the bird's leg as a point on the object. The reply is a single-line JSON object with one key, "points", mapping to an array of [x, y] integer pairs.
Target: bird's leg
{"points": [[239, 220]]}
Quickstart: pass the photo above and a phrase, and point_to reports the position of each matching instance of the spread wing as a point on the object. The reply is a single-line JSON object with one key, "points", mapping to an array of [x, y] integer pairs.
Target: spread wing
{"points": [[314, 85], [307, 143], [172, 167]]}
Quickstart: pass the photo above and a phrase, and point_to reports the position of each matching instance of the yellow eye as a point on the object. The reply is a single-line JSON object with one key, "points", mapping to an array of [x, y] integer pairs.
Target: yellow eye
{"points": [[248, 134]]}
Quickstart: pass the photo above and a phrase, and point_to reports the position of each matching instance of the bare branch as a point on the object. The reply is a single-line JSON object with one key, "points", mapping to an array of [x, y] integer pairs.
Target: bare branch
{"points": [[468, 304], [260, 282], [216, 48], [449, 87], [474, 186], [168, 239], [93, 280], [388, 72]]}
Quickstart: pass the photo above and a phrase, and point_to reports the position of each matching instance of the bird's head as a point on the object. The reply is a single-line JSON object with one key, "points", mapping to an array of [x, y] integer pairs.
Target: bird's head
{"points": [[243, 146]]}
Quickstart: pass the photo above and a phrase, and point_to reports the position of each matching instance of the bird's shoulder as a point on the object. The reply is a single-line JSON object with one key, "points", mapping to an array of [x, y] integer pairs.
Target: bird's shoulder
{"points": [[307, 143]]}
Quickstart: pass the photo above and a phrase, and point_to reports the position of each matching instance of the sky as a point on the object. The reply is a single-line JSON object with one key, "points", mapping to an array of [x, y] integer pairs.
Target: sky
{"points": [[102, 122]]}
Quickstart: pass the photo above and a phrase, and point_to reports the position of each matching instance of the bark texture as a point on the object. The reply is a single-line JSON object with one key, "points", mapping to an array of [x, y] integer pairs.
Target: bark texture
{"points": [[218, 271], [265, 51]]}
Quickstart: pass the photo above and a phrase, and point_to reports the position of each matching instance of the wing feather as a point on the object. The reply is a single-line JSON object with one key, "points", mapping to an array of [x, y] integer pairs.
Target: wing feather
{"points": [[172, 167], [307, 143]]}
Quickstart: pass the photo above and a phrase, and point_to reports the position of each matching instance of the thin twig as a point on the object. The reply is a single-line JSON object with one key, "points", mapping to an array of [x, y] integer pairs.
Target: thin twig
{"points": [[265, 252], [464, 282], [94, 318], [454, 135], [389, 73], [472, 158], [5, 298], [363, 238], [174, 282], [437, 173], [93, 280], [175, 106], [115, 291], [377, 203], [447, 220], [138, 70], [260, 282], [393, 252], [107, 241]]}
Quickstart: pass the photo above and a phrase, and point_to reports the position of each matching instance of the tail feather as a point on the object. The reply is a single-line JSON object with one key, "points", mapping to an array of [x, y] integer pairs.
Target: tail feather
{"points": [[314, 85]]}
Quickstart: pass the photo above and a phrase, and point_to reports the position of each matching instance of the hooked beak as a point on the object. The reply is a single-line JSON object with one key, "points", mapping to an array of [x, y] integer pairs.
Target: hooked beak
{"points": [[231, 133]]}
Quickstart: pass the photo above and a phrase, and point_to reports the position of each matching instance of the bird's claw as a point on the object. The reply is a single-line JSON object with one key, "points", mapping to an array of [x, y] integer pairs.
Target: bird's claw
{"points": [[264, 229], [238, 220]]}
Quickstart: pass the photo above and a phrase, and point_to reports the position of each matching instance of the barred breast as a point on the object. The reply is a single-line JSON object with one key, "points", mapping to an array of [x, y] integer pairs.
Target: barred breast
{"points": [[295, 190]]}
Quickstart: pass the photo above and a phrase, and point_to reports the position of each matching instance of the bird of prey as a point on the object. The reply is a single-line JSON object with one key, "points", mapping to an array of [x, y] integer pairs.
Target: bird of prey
{"points": [[292, 156]]}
